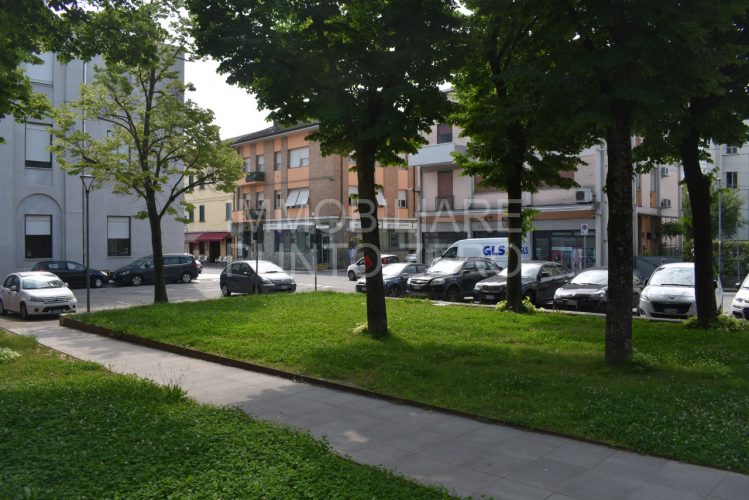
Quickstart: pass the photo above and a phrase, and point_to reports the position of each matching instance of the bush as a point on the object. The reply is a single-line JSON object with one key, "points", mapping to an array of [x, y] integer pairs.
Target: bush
{"points": [[526, 307]]}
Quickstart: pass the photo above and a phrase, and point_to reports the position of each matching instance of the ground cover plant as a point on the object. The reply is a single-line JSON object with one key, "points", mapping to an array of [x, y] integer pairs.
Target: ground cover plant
{"points": [[71, 429], [685, 396]]}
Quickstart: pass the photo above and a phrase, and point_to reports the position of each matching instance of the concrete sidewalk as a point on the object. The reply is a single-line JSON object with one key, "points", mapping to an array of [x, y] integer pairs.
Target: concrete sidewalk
{"points": [[469, 458]]}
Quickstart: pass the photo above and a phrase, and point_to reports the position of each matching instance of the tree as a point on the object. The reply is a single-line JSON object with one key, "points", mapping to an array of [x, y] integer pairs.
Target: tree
{"points": [[157, 139], [708, 101], [366, 70], [521, 135], [725, 203]]}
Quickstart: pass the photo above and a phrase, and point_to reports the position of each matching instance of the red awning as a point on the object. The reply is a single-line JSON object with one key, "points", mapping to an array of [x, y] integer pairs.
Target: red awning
{"points": [[191, 237], [213, 236]]}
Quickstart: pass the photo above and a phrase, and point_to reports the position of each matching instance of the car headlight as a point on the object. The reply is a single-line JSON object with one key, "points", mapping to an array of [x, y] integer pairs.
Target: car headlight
{"points": [[124, 273], [438, 281], [738, 300], [557, 293], [600, 293], [34, 298], [408, 282], [266, 281], [478, 286], [644, 296]]}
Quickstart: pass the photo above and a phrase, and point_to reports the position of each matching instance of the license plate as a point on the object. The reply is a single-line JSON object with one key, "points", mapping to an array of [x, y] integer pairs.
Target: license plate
{"points": [[490, 297], [57, 310], [416, 287], [572, 302], [670, 310]]}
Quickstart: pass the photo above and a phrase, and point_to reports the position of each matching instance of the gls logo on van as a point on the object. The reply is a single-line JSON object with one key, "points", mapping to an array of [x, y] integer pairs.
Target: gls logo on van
{"points": [[499, 250]]}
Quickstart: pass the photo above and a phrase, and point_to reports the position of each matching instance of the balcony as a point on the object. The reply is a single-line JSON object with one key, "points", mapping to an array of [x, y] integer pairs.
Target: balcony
{"points": [[436, 154], [254, 177], [442, 203]]}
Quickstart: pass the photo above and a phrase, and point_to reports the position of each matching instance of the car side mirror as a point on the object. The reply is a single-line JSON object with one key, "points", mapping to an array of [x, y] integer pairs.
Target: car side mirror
{"points": [[66, 285], [544, 274], [738, 285], [14, 288]]}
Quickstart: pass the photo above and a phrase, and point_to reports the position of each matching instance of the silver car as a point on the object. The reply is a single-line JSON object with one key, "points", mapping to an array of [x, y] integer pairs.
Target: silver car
{"points": [[669, 293], [356, 270], [35, 293]]}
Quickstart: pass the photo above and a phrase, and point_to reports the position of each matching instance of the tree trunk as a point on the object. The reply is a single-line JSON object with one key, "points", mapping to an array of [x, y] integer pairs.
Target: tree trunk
{"points": [[620, 244], [515, 239], [159, 285], [698, 186], [377, 323]]}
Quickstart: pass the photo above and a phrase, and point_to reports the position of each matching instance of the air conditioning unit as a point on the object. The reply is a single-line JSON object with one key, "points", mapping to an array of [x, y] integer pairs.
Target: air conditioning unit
{"points": [[664, 171], [583, 195], [665, 203]]}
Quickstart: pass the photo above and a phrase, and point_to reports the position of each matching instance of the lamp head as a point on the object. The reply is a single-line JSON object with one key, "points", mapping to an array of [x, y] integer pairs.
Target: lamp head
{"points": [[88, 181]]}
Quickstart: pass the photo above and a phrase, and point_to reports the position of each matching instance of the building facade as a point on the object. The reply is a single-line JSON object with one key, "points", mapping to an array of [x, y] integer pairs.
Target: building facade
{"points": [[43, 205], [303, 204], [208, 233], [570, 224]]}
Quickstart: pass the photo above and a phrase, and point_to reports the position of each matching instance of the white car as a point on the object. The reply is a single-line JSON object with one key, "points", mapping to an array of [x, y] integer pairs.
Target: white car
{"points": [[669, 293], [35, 293], [356, 270], [740, 304]]}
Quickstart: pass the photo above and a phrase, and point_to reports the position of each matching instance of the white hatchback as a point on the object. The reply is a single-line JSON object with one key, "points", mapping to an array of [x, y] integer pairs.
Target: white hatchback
{"points": [[35, 293], [740, 303], [669, 293]]}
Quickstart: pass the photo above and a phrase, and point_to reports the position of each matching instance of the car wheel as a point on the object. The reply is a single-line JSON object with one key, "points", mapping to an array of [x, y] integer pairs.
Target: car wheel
{"points": [[186, 277], [395, 291], [97, 282], [453, 294], [225, 291], [3, 310], [530, 295], [136, 280], [24, 312], [351, 276]]}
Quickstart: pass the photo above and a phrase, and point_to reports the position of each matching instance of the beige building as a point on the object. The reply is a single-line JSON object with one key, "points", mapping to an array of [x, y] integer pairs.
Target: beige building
{"points": [[209, 231]]}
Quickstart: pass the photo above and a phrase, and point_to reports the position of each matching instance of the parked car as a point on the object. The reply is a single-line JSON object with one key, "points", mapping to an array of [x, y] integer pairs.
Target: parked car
{"points": [[588, 291], [72, 273], [199, 265], [356, 270], [539, 280], [35, 293], [180, 267], [241, 277], [451, 279], [395, 277], [669, 292], [740, 303]]}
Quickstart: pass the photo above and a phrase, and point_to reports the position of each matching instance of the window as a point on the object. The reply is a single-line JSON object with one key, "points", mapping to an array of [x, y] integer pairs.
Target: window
{"points": [[201, 212], [44, 72], [201, 184], [402, 200], [297, 198], [380, 199], [260, 163], [118, 236], [732, 150], [74, 266], [732, 180], [38, 139], [277, 160], [353, 195], [444, 133], [277, 199], [191, 215], [653, 180], [228, 211], [38, 236], [247, 165], [190, 181], [260, 201], [298, 157]]}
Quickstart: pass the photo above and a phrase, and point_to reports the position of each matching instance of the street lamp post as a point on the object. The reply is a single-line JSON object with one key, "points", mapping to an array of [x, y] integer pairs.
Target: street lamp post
{"points": [[88, 181], [314, 247]]}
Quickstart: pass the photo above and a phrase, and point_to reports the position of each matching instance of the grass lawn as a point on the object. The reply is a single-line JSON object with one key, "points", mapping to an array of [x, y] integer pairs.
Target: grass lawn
{"points": [[686, 396], [70, 429]]}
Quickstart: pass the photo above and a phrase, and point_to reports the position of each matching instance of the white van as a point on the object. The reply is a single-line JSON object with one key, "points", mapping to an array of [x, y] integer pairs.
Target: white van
{"points": [[494, 249]]}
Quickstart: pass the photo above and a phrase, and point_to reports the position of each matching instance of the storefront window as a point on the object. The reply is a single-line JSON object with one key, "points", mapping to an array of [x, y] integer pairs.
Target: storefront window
{"points": [[570, 248]]}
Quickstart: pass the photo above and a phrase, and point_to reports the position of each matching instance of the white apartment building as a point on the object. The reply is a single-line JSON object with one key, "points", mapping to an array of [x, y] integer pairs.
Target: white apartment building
{"points": [[571, 224], [43, 206]]}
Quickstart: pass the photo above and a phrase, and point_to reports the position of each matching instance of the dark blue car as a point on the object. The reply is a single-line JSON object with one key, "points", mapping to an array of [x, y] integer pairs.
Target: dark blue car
{"points": [[395, 277]]}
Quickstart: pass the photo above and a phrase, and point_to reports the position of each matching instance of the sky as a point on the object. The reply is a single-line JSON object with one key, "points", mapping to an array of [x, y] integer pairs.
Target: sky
{"points": [[236, 111]]}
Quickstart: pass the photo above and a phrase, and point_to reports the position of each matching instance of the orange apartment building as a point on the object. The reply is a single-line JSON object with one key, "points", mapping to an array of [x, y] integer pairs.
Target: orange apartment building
{"points": [[301, 196]]}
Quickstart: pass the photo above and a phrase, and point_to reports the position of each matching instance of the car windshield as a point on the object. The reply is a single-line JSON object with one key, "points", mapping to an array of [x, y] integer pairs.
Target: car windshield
{"points": [[446, 267], [266, 267], [597, 277], [141, 262], [526, 270], [673, 276], [37, 283], [393, 269]]}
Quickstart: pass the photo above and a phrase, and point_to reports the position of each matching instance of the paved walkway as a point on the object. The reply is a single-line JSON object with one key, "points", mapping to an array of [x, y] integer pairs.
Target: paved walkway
{"points": [[467, 457]]}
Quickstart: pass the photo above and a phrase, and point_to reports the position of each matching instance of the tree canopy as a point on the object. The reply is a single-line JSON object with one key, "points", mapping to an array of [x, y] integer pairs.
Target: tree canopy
{"points": [[367, 71]]}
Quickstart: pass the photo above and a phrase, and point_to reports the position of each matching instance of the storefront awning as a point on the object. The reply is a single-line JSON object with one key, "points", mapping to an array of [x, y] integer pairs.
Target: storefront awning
{"points": [[217, 236]]}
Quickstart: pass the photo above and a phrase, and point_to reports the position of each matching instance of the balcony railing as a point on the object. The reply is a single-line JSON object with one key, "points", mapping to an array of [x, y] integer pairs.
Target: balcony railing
{"points": [[254, 176], [443, 203]]}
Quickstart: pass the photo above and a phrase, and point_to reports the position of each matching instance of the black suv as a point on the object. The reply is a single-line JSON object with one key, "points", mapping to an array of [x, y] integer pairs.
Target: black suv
{"points": [[180, 267], [451, 279]]}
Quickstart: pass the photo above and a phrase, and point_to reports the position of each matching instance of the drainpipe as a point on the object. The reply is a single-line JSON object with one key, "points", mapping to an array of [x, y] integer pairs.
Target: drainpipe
{"points": [[600, 212]]}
